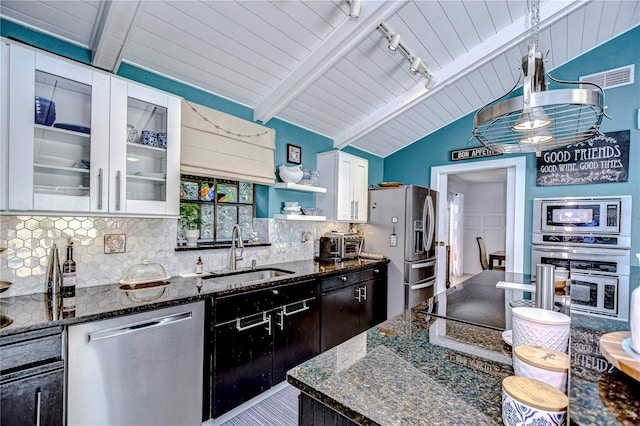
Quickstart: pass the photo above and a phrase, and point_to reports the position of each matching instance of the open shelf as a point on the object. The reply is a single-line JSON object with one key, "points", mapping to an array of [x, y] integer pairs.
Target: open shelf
{"points": [[299, 217], [298, 187]]}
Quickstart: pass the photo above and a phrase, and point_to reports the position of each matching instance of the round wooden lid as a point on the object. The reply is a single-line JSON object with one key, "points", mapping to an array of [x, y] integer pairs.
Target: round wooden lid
{"points": [[546, 358], [535, 394]]}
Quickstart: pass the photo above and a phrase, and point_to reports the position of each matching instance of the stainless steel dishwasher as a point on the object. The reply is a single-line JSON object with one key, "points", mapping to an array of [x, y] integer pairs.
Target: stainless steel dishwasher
{"points": [[140, 369]]}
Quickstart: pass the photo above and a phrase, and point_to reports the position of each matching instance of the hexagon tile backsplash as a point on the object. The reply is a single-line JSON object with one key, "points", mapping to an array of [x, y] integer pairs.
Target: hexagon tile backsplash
{"points": [[28, 240]]}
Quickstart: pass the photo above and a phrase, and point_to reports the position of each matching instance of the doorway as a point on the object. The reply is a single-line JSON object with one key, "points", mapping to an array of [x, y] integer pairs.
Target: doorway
{"points": [[515, 203]]}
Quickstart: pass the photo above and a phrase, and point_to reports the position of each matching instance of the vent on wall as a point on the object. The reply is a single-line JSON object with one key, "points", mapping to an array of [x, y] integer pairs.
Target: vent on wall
{"points": [[612, 78]]}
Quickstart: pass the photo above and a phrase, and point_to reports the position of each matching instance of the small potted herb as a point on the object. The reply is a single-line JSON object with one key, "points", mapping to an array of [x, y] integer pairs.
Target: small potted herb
{"points": [[191, 220]]}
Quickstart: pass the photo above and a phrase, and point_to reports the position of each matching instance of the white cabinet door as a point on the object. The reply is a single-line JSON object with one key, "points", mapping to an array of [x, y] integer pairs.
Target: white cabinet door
{"points": [[58, 134], [344, 189], [4, 125], [359, 185], [345, 176], [144, 150]]}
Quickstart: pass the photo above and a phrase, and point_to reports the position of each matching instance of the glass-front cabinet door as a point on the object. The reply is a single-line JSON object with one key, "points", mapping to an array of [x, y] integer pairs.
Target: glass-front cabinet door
{"points": [[58, 134], [145, 150]]}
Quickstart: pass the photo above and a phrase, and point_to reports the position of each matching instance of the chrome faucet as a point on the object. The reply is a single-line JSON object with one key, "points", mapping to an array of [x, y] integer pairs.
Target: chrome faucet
{"points": [[236, 235]]}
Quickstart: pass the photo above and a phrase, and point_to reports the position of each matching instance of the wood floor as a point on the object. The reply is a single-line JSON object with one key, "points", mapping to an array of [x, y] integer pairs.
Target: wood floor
{"points": [[279, 409]]}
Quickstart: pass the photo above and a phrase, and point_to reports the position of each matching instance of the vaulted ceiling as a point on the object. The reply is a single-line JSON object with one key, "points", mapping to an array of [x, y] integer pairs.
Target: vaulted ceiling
{"points": [[310, 64]]}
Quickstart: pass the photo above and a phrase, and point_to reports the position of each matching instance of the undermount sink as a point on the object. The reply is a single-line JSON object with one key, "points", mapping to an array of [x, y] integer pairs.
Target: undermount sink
{"points": [[248, 276]]}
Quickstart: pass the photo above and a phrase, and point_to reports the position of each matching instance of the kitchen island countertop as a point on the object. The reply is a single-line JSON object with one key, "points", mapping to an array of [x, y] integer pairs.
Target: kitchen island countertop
{"points": [[30, 312], [423, 368]]}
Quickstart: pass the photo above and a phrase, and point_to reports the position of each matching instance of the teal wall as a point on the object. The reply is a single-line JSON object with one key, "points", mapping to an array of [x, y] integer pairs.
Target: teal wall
{"points": [[413, 163], [268, 199]]}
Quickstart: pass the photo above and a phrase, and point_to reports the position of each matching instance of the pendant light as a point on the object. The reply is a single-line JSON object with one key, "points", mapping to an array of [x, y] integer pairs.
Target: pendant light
{"points": [[540, 119]]}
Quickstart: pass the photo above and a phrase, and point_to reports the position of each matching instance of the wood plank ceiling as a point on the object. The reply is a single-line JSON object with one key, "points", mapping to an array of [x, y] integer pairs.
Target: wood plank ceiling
{"points": [[308, 63]]}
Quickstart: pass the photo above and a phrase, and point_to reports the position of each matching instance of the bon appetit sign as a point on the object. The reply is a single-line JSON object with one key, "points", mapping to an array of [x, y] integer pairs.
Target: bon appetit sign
{"points": [[602, 159]]}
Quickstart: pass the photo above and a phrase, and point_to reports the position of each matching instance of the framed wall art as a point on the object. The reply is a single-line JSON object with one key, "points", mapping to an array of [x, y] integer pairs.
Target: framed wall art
{"points": [[294, 154]]}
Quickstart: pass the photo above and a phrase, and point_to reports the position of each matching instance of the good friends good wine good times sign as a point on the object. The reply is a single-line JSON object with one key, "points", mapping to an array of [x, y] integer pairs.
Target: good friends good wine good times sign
{"points": [[602, 159]]}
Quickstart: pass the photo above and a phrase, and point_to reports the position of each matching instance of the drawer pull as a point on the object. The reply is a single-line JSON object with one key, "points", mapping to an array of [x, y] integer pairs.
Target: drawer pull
{"points": [[343, 278], [38, 403], [266, 319]]}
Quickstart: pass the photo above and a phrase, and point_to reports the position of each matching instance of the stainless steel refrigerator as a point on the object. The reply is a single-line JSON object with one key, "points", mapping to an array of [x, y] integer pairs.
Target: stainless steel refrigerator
{"points": [[401, 226]]}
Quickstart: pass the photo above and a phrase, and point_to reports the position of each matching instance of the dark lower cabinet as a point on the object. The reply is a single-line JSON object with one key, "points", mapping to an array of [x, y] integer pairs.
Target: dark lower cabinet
{"points": [[352, 303], [32, 378], [255, 337], [33, 397], [242, 362], [312, 412]]}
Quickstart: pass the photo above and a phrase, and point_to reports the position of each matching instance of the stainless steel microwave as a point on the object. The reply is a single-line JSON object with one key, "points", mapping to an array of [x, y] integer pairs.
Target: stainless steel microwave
{"points": [[595, 215]]}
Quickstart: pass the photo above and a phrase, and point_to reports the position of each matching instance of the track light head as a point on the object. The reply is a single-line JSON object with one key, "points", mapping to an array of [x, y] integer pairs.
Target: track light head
{"points": [[430, 82], [354, 8], [415, 64], [394, 42]]}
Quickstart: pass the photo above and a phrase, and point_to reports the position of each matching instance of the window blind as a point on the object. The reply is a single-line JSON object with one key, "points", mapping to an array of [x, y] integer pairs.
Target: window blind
{"points": [[220, 145]]}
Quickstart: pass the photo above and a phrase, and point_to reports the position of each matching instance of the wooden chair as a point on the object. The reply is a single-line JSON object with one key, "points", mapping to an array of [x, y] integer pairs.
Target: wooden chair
{"points": [[484, 260]]}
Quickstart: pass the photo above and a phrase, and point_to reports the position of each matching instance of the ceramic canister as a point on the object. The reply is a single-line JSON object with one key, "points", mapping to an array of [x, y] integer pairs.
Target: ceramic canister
{"points": [[528, 401], [544, 364], [634, 320], [540, 327]]}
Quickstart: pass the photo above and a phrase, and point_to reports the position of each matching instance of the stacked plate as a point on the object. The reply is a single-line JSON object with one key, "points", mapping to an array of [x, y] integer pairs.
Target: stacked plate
{"points": [[291, 207]]}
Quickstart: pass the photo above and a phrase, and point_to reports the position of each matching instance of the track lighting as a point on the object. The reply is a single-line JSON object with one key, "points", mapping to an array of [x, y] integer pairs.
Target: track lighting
{"points": [[430, 82], [394, 42], [354, 8], [417, 65]]}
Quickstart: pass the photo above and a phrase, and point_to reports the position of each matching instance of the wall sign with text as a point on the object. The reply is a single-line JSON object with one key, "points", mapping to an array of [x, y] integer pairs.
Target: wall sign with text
{"points": [[469, 153], [602, 159]]}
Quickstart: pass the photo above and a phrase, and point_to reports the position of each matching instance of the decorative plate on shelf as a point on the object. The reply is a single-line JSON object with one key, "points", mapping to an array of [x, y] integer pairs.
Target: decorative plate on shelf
{"points": [[390, 184]]}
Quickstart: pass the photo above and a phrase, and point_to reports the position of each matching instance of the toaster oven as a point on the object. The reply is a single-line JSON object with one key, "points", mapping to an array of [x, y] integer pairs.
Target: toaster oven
{"points": [[345, 245]]}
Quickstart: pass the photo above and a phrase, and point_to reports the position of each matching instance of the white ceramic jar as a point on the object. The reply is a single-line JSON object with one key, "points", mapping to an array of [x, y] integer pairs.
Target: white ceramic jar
{"points": [[531, 402], [540, 327], [544, 364], [634, 320]]}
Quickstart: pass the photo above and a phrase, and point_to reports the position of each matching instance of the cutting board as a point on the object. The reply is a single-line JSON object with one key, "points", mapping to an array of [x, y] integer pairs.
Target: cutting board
{"points": [[611, 348]]}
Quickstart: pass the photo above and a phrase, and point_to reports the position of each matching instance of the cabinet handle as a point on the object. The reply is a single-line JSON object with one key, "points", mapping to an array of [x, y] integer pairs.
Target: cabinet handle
{"points": [[281, 323], [358, 295], [376, 271], [343, 278], [364, 293], [38, 401], [305, 307], [352, 209], [118, 190], [266, 319], [357, 211], [99, 189]]}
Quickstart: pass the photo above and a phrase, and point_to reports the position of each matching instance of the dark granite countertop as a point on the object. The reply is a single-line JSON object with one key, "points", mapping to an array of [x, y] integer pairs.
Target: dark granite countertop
{"points": [[436, 364], [36, 311]]}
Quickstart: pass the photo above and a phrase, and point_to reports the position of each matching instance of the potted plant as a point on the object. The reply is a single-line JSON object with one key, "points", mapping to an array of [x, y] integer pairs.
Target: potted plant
{"points": [[191, 220]]}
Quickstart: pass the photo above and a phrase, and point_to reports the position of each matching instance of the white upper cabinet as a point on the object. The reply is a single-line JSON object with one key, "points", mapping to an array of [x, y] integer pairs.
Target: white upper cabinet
{"points": [[67, 141], [345, 176], [145, 150]]}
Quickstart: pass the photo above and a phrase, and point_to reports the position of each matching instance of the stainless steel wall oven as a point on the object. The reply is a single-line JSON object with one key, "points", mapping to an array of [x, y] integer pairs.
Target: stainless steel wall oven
{"points": [[590, 237]]}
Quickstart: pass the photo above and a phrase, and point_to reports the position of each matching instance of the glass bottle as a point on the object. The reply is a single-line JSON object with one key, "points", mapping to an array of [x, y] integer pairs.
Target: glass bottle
{"points": [[199, 266], [68, 289]]}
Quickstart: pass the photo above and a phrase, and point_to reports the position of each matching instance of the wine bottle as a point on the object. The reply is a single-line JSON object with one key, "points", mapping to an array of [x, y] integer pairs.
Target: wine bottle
{"points": [[68, 289]]}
